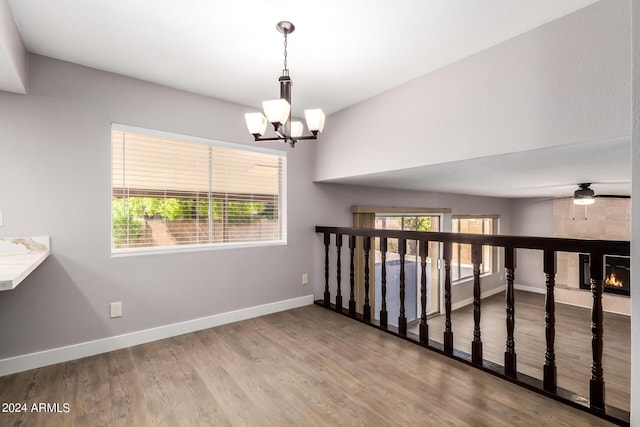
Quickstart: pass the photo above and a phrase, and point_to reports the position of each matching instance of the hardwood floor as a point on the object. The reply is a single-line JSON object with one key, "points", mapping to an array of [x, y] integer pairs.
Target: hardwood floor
{"points": [[572, 344], [306, 366]]}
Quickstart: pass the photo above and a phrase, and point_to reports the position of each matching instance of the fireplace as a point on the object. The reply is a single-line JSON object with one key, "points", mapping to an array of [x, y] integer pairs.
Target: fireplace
{"points": [[617, 278]]}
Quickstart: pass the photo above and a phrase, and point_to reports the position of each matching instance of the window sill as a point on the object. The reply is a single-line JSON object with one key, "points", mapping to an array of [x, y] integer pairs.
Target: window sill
{"points": [[165, 250], [469, 279]]}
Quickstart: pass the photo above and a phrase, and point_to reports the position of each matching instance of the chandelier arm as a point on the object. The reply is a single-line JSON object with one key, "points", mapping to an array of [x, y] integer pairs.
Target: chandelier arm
{"points": [[278, 138]]}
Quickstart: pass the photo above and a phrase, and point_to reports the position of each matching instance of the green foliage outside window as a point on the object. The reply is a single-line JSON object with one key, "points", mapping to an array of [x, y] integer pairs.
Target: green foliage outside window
{"points": [[128, 215]]}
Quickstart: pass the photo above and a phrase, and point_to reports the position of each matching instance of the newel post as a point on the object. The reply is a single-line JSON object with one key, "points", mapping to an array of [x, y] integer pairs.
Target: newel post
{"points": [[327, 295], [402, 319], [384, 316], [596, 384], [448, 332], [424, 327], [510, 353], [366, 309], [338, 273], [476, 344], [550, 371]]}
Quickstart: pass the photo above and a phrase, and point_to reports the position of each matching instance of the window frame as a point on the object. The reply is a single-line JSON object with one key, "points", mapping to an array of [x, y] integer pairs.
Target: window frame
{"points": [[493, 266], [176, 137]]}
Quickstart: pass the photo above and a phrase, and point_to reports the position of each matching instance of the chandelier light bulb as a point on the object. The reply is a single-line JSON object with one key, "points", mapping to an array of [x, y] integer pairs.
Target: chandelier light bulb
{"points": [[256, 123], [315, 120]]}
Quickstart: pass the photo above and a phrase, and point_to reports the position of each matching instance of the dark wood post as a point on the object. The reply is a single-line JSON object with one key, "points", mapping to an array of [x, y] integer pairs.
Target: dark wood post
{"points": [[366, 310], [476, 345], [352, 281], [510, 353], [384, 322], [596, 384], [338, 273], [402, 319], [424, 327], [327, 295], [448, 332], [550, 374]]}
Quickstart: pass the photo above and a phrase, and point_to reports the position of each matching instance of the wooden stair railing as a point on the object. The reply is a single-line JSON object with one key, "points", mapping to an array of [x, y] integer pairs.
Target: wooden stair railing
{"points": [[549, 247]]}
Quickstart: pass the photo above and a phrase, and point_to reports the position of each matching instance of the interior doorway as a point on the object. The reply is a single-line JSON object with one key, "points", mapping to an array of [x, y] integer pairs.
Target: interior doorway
{"points": [[413, 274]]}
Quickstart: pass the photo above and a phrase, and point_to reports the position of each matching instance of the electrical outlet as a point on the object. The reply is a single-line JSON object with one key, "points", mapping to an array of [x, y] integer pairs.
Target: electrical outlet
{"points": [[1, 219], [305, 279], [115, 309]]}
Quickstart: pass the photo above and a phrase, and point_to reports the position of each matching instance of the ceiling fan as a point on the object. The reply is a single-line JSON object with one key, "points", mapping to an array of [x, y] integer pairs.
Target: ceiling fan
{"points": [[584, 195]]}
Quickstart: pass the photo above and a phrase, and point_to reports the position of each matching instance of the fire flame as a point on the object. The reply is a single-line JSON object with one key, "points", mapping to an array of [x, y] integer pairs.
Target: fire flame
{"points": [[612, 280]]}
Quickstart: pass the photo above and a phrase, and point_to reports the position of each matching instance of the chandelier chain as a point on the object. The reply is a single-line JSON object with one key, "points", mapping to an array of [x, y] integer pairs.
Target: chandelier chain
{"points": [[286, 70]]}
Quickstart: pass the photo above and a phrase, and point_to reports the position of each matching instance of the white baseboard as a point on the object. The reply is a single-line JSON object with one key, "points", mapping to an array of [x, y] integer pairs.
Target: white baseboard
{"points": [[533, 289], [76, 351], [486, 294]]}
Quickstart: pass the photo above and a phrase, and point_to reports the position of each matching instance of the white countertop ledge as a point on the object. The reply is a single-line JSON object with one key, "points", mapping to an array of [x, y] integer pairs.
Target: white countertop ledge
{"points": [[19, 256]]}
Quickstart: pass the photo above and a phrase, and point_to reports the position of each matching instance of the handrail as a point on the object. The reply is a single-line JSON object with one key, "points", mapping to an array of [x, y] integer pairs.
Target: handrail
{"points": [[558, 244]]}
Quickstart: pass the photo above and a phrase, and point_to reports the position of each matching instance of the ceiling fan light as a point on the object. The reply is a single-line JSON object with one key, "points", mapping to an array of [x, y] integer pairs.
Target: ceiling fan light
{"points": [[584, 200], [256, 123], [296, 129], [277, 111], [584, 196], [315, 120]]}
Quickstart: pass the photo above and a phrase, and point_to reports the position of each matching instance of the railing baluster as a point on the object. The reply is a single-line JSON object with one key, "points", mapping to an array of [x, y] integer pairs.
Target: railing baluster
{"points": [[338, 273], [476, 345], [424, 327], [384, 322], [596, 384], [352, 281], [327, 295], [550, 371], [366, 310], [402, 319], [448, 332], [510, 353]]}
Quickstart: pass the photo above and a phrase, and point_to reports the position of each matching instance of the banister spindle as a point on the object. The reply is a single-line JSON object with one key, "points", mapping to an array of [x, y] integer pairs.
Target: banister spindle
{"points": [[338, 273], [510, 353], [550, 374], [402, 319], [384, 322], [327, 295], [424, 327], [448, 332], [596, 384], [476, 344], [352, 281], [366, 310]]}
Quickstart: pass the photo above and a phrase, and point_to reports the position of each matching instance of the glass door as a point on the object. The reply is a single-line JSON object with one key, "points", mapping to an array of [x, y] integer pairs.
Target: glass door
{"points": [[413, 273]]}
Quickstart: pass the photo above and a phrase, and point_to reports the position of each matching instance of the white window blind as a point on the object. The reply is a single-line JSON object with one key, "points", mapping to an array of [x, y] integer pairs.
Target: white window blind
{"points": [[177, 192]]}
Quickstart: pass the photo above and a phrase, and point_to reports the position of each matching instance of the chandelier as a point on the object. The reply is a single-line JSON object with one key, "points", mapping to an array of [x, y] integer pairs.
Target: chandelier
{"points": [[278, 111]]}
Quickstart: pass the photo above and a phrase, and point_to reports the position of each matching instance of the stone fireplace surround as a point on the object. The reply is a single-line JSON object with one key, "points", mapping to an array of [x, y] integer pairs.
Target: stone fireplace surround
{"points": [[607, 219]]}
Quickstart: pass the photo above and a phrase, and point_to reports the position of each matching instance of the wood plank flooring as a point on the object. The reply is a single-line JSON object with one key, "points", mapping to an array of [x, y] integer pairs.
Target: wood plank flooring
{"points": [[572, 344], [306, 367]]}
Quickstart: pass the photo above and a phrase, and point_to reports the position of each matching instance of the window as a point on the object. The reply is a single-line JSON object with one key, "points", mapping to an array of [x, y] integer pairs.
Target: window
{"points": [[173, 192], [461, 265]]}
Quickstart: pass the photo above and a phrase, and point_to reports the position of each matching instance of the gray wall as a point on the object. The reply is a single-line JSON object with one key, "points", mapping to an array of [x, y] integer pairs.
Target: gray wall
{"points": [[55, 180], [565, 82], [531, 217]]}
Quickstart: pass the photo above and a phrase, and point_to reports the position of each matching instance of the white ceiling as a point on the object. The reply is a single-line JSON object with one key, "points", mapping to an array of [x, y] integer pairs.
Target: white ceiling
{"points": [[342, 51]]}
